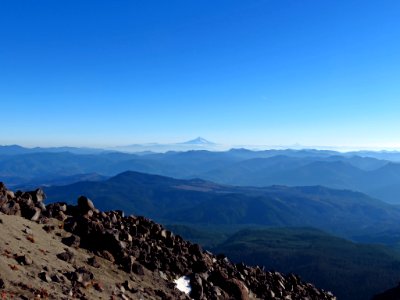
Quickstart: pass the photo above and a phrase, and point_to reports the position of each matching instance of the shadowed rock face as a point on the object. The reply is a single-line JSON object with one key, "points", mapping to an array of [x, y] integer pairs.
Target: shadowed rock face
{"points": [[392, 294], [137, 243]]}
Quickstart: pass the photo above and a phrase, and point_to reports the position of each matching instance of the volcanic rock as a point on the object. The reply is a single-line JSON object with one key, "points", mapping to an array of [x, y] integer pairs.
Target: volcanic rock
{"points": [[24, 259], [72, 241], [11, 208], [93, 261], [37, 195], [66, 256], [45, 276], [85, 204]]}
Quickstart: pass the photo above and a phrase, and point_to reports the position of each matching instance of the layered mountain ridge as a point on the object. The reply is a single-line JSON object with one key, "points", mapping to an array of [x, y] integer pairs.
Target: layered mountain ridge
{"points": [[359, 171], [195, 201]]}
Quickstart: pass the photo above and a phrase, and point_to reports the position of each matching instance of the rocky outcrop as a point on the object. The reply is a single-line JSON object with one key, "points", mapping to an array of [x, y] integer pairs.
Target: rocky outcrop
{"points": [[137, 243]]}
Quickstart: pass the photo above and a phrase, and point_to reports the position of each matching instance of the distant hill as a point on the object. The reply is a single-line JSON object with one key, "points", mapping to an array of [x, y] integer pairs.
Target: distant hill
{"points": [[377, 178], [241, 167], [60, 180], [16, 149], [385, 155], [200, 202], [13, 150], [198, 143]]}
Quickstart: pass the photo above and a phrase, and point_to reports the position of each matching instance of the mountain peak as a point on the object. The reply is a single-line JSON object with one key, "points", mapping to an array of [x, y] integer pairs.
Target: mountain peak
{"points": [[198, 141]]}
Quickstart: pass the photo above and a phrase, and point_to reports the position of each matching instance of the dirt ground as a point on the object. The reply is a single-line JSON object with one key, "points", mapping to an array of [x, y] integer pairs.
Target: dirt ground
{"points": [[20, 237]]}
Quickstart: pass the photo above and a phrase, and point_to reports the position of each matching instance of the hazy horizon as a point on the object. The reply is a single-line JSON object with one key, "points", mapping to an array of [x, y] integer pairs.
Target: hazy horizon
{"points": [[215, 146]]}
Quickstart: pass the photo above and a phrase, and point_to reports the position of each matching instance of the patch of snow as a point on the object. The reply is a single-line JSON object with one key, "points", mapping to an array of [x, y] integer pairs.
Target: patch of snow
{"points": [[183, 284]]}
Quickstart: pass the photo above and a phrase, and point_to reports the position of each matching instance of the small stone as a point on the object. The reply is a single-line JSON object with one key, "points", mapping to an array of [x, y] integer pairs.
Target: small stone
{"points": [[47, 268], [27, 230], [217, 291], [137, 269], [107, 255], [61, 216], [163, 275], [66, 256], [44, 276], [89, 214], [114, 219], [128, 285], [12, 208], [72, 241], [30, 238], [86, 284], [24, 260], [42, 206], [36, 214], [48, 228], [92, 261], [10, 195], [83, 276], [272, 294], [58, 278], [98, 287], [196, 287], [238, 289], [124, 297], [85, 204], [62, 207], [38, 195]]}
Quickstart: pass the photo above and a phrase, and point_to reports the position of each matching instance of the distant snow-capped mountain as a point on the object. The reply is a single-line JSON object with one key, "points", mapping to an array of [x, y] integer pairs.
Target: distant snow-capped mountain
{"points": [[198, 141]]}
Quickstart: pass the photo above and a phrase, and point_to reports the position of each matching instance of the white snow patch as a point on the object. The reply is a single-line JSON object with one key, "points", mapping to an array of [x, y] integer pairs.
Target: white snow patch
{"points": [[183, 284]]}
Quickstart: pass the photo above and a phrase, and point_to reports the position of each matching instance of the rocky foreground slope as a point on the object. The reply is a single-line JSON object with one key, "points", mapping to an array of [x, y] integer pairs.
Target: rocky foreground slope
{"points": [[59, 251]]}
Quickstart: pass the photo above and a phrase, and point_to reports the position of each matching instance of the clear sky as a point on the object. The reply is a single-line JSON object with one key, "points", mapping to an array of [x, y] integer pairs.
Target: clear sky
{"points": [[271, 72]]}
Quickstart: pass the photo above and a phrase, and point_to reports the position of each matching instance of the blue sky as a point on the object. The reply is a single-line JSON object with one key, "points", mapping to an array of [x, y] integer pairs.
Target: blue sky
{"points": [[278, 72]]}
